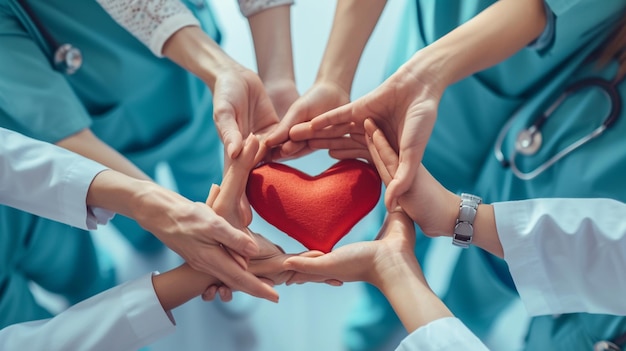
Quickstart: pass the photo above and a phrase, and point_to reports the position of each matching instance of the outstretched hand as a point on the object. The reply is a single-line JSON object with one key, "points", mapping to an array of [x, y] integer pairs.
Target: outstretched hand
{"points": [[403, 107], [320, 98], [367, 261], [426, 201]]}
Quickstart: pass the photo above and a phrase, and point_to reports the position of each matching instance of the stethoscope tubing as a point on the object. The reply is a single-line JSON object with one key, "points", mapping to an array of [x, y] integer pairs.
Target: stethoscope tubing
{"points": [[609, 89]]}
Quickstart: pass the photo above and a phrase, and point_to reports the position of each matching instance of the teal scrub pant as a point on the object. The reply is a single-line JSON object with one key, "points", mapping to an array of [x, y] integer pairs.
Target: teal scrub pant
{"points": [[57, 257]]}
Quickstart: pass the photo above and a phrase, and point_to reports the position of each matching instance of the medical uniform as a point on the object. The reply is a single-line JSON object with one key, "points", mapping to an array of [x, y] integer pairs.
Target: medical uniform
{"points": [[460, 153], [147, 108], [544, 243], [565, 255], [51, 182]]}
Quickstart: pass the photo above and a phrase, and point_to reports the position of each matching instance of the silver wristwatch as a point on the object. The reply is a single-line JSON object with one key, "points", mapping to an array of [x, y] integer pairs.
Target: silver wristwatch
{"points": [[464, 229]]}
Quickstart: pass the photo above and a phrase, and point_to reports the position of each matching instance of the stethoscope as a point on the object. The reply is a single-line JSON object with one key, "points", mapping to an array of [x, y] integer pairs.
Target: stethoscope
{"points": [[66, 58], [613, 345], [530, 140]]}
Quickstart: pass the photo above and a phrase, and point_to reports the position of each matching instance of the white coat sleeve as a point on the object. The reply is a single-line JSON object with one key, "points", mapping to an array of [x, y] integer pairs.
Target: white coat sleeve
{"points": [[566, 255], [126, 317], [251, 7], [48, 181], [445, 334], [150, 21]]}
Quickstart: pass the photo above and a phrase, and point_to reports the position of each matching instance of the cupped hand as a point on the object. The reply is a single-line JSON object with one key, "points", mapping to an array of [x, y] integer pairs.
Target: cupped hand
{"points": [[368, 261], [426, 201], [403, 106], [320, 98]]}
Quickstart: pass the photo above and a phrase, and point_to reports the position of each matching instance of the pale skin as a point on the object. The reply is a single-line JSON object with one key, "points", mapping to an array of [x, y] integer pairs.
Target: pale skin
{"points": [[405, 105], [389, 262], [192, 230], [134, 198], [353, 23]]}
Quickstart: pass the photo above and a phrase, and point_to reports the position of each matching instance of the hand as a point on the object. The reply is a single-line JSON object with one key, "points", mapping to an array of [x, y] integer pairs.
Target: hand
{"points": [[426, 201], [267, 264], [404, 107], [283, 93], [241, 107], [321, 97], [374, 262]]}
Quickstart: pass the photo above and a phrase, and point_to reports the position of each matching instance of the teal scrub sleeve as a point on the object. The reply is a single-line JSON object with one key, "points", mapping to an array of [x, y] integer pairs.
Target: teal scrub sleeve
{"points": [[35, 100], [581, 21]]}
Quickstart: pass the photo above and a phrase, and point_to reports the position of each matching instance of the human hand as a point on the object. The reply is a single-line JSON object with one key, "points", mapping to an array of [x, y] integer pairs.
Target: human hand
{"points": [[283, 93], [267, 264], [404, 107], [241, 107], [371, 261], [426, 201], [321, 97]]}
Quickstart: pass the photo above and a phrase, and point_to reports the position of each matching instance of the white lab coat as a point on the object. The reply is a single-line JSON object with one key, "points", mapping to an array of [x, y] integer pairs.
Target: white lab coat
{"points": [[565, 255], [126, 317], [48, 181]]}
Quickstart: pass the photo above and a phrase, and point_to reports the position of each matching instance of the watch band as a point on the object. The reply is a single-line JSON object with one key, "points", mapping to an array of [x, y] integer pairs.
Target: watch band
{"points": [[464, 228]]}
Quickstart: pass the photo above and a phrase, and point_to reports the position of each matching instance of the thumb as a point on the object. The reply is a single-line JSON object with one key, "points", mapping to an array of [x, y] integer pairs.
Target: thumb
{"points": [[226, 123]]}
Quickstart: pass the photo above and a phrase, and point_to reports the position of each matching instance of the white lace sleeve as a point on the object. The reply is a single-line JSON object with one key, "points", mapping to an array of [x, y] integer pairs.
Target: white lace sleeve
{"points": [[250, 7], [150, 21]]}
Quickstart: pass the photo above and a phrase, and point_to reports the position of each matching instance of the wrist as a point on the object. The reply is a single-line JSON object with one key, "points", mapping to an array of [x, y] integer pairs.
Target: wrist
{"points": [[336, 78], [427, 70], [195, 51]]}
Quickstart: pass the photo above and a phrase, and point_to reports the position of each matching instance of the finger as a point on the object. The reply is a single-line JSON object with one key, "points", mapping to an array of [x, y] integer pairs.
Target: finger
{"points": [[350, 154], [209, 293], [236, 177], [226, 124], [233, 276], [399, 185], [291, 147], [213, 192], [226, 294], [378, 163], [241, 261], [302, 132], [339, 115], [343, 142], [280, 134], [334, 282], [388, 155], [322, 265]]}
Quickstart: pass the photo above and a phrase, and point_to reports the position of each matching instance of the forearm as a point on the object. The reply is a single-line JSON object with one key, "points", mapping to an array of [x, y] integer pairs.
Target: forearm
{"points": [[271, 33], [85, 143], [175, 287], [353, 24], [195, 51], [410, 296], [489, 38]]}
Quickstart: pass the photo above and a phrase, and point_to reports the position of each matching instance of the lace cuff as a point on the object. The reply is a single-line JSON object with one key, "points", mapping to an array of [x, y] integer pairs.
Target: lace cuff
{"points": [[150, 21], [250, 7]]}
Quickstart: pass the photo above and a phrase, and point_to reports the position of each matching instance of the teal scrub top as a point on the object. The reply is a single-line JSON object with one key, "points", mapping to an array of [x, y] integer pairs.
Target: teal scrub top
{"points": [[146, 107], [472, 112]]}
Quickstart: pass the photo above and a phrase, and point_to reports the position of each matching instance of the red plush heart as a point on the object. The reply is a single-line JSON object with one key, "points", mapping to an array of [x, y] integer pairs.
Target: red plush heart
{"points": [[317, 211]]}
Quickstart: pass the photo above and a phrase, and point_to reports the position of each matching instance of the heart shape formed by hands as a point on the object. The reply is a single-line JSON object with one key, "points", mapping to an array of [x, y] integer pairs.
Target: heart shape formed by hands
{"points": [[316, 211]]}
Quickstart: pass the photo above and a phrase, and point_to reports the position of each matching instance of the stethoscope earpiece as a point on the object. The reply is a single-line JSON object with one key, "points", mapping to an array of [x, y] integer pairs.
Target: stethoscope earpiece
{"points": [[68, 59]]}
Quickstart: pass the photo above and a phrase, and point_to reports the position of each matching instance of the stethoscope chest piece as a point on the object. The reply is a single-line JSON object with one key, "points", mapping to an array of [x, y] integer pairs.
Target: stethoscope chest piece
{"points": [[605, 346], [528, 141], [68, 59]]}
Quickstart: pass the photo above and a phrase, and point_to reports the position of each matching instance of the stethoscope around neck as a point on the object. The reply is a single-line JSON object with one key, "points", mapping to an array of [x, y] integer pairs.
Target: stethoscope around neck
{"points": [[530, 140], [66, 58]]}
